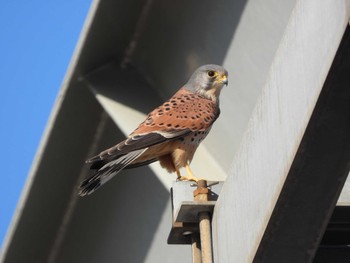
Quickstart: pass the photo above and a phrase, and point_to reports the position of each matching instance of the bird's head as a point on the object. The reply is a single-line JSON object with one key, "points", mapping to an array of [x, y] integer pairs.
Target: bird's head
{"points": [[208, 80]]}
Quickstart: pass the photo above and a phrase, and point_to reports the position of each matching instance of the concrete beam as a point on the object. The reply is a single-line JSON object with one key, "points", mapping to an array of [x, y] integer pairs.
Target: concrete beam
{"points": [[275, 131]]}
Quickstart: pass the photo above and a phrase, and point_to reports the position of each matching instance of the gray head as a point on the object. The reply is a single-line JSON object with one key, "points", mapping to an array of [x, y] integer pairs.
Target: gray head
{"points": [[208, 80]]}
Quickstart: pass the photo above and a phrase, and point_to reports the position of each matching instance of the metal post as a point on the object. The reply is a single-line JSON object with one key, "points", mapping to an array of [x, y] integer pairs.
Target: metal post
{"points": [[201, 194], [205, 234], [196, 248]]}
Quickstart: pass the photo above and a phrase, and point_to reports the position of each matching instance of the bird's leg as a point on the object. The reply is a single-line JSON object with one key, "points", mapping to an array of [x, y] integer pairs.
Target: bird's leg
{"points": [[178, 173], [190, 176]]}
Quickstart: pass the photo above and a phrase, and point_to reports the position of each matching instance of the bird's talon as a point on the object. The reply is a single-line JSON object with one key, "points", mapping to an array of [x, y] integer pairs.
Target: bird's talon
{"points": [[188, 178]]}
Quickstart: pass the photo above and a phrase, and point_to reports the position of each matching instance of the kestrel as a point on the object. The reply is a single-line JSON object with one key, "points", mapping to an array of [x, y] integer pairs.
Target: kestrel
{"points": [[170, 134]]}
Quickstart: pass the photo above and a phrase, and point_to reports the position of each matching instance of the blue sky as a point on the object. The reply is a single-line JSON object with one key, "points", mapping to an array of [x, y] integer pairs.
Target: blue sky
{"points": [[37, 40]]}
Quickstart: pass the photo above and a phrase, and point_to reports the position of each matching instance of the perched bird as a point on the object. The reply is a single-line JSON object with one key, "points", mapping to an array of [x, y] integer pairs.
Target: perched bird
{"points": [[170, 134]]}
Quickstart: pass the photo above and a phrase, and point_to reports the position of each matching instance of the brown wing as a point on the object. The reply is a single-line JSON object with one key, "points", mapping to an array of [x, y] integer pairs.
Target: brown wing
{"points": [[185, 112]]}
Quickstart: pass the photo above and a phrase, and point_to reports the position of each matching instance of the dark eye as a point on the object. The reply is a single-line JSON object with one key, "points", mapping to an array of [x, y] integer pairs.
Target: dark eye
{"points": [[211, 73]]}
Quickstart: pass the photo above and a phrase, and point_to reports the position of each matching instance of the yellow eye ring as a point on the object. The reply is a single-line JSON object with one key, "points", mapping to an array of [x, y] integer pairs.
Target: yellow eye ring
{"points": [[211, 73]]}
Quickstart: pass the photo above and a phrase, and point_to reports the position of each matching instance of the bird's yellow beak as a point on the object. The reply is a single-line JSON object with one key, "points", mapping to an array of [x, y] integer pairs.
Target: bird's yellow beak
{"points": [[223, 79]]}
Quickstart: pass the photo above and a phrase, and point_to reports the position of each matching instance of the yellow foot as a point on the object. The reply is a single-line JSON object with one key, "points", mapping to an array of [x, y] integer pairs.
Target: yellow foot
{"points": [[190, 176]]}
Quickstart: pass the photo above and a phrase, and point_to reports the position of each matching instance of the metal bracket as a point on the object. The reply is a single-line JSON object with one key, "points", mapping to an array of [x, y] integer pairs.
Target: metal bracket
{"points": [[185, 211]]}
